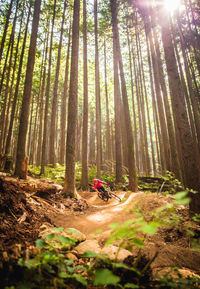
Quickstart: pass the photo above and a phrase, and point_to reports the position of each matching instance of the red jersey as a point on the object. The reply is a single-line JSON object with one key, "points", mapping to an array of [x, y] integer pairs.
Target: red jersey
{"points": [[97, 184]]}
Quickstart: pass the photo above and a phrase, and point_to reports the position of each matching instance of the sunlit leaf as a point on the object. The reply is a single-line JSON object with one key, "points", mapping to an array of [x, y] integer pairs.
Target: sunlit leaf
{"points": [[90, 254], [149, 228], [121, 265], [130, 285], [180, 195], [64, 239], [80, 279], [32, 263], [114, 225], [60, 229], [40, 243], [138, 242], [64, 275], [184, 201], [49, 236], [69, 262], [105, 277], [73, 231]]}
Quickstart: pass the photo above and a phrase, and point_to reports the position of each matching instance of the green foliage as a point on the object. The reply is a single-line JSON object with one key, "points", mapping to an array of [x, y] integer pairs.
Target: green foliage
{"points": [[49, 261], [108, 178], [92, 173], [57, 174], [176, 185], [51, 173], [97, 270], [181, 198], [105, 277], [196, 218], [133, 231], [178, 282]]}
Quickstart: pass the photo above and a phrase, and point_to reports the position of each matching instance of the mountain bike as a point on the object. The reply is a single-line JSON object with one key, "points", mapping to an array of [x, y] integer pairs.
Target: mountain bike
{"points": [[108, 195]]}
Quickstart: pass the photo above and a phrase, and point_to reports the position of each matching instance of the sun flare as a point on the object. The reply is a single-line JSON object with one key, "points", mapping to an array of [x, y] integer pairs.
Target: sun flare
{"points": [[172, 5]]}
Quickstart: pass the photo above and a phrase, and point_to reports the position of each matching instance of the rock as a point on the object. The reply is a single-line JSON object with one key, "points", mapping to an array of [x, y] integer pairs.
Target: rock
{"points": [[88, 245], [73, 233], [115, 253], [57, 241], [101, 237], [188, 273], [45, 228], [71, 256]]}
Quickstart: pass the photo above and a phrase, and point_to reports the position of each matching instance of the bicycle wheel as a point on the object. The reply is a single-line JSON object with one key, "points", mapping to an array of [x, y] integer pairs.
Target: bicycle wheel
{"points": [[103, 197], [114, 196]]}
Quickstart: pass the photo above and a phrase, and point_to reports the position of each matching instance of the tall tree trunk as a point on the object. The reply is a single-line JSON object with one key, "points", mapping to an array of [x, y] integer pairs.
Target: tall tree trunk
{"points": [[78, 137], [184, 88], [190, 88], [92, 139], [189, 156], [133, 97], [27, 92], [8, 141], [69, 185], [3, 111], [195, 35], [97, 93], [5, 29], [131, 156], [157, 134], [108, 138], [141, 135], [44, 140], [142, 113], [64, 104], [12, 80], [52, 154], [135, 103], [10, 47], [84, 176], [175, 166], [117, 103], [41, 106], [30, 124]]}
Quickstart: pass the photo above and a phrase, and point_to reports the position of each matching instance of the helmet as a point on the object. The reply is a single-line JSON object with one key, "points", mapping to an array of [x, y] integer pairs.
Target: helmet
{"points": [[95, 180]]}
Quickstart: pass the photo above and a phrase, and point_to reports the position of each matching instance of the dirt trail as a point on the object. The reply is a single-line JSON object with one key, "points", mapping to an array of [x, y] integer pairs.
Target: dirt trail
{"points": [[26, 205], [99, 214]]}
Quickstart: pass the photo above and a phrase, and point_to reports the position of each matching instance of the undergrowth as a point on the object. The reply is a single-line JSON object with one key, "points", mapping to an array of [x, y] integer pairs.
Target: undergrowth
{"points": [[145, 183], [47, 265]]}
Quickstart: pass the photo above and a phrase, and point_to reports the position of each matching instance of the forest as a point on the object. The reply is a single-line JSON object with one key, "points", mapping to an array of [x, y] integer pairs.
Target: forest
{"points": [[105, 90]]}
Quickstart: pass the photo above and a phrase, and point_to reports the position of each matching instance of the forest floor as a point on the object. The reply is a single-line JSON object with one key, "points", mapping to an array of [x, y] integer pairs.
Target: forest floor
{"points": [[27, 205]]}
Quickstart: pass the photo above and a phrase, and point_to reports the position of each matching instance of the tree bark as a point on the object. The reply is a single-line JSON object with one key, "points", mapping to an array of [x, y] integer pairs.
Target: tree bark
{"points": [[52, 153], [64, 104], [84, 176], [5, 29], [41, 107], [190, 161], [92, 140], [27, 92], [131, 156], [8, 141], [44, 140], [108, 137], [97, 94], [3, 111], [69, 185]]}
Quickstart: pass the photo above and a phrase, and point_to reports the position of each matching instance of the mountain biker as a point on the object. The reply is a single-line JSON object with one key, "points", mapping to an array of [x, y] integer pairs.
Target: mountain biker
{"points": [[97, 184]]}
